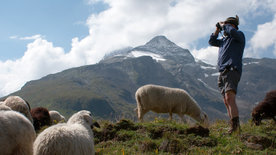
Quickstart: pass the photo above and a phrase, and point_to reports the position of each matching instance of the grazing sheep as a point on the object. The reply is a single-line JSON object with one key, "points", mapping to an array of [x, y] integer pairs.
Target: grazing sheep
{"points": [[168, 100], [56, 117], [16, 103], [266, 109], [16, 134], [41, 117], [71, 138]]}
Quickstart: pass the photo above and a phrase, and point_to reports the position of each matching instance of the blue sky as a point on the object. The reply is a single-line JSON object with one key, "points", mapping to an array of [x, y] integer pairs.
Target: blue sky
{"points": [[39, 37], [55, 20]]}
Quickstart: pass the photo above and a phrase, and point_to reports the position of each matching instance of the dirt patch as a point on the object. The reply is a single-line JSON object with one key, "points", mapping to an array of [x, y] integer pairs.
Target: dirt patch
{"points": [[107, 133], [256, 142], [155, 133], [199, 131], [125, 125], [110, 131]]}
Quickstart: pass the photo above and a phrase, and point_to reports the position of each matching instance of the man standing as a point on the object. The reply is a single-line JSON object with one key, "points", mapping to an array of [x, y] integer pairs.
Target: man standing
{"points": [[230, 54]]}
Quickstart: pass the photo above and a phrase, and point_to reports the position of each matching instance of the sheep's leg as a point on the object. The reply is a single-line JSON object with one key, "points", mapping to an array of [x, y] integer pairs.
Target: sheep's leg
{"points": [[170, 116], [141, 114]]}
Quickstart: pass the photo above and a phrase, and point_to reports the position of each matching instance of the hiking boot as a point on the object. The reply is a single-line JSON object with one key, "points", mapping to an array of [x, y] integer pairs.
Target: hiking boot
{"points": [[235, 125]]}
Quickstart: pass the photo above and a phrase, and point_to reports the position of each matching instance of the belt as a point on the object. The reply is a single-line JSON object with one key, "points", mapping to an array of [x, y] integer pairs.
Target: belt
{"points": [[228, 68], [231, 68]]}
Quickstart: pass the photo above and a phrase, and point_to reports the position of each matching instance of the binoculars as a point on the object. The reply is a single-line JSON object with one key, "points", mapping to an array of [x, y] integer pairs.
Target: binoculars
{"points": [[219, 26]]}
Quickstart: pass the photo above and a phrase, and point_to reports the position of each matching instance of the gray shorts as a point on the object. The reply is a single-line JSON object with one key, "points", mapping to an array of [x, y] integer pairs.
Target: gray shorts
{"points": [[228, 80]]}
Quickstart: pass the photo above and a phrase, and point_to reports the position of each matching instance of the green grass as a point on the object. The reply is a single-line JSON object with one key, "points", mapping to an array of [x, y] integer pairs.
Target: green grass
{"points": [[170, 137]]}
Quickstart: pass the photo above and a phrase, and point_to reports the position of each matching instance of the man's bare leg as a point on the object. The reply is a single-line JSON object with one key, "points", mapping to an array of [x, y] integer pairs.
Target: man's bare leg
{"points": [[227, 107], [230, 98]]}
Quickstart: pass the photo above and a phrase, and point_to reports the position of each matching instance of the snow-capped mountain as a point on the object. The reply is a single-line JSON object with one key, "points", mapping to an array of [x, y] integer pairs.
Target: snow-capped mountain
{"points": [[158, 48]]}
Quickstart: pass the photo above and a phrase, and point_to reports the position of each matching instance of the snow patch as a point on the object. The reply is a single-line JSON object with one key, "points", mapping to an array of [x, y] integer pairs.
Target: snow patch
{"points": [[144, 53], [215, 74], [249, 63], [207, 86], [207, 67]]}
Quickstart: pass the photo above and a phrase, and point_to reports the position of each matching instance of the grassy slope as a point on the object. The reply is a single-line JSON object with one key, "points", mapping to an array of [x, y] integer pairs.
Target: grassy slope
{"points": [[164, 137]]}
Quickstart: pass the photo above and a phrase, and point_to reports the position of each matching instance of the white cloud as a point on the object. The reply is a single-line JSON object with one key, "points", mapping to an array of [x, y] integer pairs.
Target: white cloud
{"points": [[208, 55], [91, 2], [41, 58], [13, 37], [264, 37], [34, 37], [37, 36], [126, 23]]}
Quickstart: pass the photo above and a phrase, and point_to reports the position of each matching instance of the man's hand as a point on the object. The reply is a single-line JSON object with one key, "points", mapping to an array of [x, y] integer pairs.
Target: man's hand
{"points": [[221, 24], [219, 27]]}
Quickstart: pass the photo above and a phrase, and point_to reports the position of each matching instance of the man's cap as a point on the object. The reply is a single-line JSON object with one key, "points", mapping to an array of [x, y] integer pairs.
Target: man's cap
{"points": [[232, 20]]}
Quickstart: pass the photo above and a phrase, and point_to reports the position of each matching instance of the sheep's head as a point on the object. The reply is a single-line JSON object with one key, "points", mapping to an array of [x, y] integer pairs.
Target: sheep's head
{"points": [[204, 119], [40, 117], [259, 113], [56, 117], [83, 117], [257, 117], [16, 103]]}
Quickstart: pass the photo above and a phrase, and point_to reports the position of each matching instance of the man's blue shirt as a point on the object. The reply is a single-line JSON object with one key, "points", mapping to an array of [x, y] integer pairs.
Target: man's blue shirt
{"points": [[231, 48]]}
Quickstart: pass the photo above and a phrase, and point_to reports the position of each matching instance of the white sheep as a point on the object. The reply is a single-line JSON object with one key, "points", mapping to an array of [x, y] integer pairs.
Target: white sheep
{"points": [[56, 117], [71, 138], [162, 99], [17, 134], [16, 103]]}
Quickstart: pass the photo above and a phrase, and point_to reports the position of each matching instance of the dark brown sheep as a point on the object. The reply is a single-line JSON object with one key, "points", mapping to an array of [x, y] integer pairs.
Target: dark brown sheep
{"points": [[266, 109], [41, 117]]}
